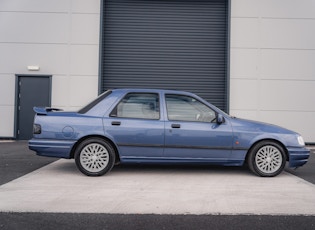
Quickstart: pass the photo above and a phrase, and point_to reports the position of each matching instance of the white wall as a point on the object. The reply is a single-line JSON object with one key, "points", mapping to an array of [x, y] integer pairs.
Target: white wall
{"points": [[62, 38], [273, 63], [272, 57]]}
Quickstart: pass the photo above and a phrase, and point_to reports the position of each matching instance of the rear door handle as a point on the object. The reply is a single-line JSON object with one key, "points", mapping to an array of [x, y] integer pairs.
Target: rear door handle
{"points": [[117, 123], [176, 126]]}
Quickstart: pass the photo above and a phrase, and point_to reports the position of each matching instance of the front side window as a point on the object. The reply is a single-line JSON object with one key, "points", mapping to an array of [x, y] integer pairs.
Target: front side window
{"points": [[185, 108], [138, 105]]}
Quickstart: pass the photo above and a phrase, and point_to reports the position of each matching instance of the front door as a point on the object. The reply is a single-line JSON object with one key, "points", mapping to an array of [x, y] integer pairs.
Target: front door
{"points": [[192, 133], [31, 91]]}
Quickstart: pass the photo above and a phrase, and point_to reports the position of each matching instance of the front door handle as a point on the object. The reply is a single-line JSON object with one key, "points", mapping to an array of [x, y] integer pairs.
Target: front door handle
{"points": [[116, 123], [176, 126]]}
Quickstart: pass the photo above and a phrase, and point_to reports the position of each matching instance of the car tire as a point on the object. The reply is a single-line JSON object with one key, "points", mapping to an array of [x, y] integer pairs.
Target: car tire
{"points": [[267, 159], [94, 157]]}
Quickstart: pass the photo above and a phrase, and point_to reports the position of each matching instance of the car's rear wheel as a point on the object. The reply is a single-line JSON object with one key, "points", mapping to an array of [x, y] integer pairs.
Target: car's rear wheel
{"points": [[267, 159], [94, 157]]}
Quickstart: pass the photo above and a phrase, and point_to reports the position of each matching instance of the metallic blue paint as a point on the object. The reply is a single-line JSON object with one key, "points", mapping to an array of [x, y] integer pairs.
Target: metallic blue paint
{"points": [[298, 156], [159, 141], [51, 148]]}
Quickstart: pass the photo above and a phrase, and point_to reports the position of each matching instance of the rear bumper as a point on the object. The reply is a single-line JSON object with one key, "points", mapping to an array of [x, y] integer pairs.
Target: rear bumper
{"points": [[298, 156], [51, 148]]}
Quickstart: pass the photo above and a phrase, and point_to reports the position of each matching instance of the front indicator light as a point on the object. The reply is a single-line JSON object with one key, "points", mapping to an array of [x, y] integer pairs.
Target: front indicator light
{"points": [[37, 129], [300, 140]]}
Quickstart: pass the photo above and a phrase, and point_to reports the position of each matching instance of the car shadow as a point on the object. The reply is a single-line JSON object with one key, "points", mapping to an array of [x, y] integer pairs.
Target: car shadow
{"points": [[69, 167], [179, 169]]}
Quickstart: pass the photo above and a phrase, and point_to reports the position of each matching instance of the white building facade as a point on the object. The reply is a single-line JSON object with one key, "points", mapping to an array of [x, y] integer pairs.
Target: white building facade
{"points": [[271, 71]]}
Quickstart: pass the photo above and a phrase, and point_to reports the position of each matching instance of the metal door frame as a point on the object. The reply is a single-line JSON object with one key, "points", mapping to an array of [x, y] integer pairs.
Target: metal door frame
{"points": [[17, 100]]}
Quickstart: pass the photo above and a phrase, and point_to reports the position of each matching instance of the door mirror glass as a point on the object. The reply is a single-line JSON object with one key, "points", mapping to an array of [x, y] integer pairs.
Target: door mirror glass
{"points": [[220, 118]]}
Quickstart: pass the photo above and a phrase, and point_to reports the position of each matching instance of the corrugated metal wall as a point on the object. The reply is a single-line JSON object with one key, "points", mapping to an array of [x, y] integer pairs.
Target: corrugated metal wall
{"points": [[172, 44]]}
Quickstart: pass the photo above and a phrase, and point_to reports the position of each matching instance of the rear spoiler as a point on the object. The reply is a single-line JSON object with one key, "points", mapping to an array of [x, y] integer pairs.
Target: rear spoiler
{"points": [[44, 111]]}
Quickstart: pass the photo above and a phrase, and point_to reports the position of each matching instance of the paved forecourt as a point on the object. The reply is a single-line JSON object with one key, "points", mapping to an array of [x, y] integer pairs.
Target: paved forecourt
{"points": [[60, 187]]}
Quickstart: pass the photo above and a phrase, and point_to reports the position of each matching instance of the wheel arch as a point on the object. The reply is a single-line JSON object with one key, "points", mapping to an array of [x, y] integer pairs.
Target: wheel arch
{"points": [[268, 139], [117, 158]]}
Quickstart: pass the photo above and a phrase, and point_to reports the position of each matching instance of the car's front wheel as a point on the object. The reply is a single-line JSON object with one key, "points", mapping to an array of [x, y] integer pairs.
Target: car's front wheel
{"points": [[267, 159], [94, 157]]}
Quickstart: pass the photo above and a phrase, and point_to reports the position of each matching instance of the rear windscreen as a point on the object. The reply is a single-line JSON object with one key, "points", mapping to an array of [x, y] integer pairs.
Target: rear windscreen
{"points": [[94, 102]]}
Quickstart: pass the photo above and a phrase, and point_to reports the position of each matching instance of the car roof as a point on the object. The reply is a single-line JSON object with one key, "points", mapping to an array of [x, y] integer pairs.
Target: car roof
{"points": [[126, 90]]}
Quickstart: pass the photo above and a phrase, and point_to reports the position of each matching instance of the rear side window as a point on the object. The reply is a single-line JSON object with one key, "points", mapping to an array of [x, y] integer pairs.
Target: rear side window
{"points": [[138, 105], [94, 102]]}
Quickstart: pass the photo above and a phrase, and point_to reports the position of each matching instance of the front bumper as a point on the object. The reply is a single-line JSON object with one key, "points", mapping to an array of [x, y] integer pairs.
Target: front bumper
{"points": [[51, 148], [298, 156]]}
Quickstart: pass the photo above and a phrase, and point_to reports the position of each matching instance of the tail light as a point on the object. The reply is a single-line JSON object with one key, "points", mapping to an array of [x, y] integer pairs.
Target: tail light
{"points": [[37, 129]]}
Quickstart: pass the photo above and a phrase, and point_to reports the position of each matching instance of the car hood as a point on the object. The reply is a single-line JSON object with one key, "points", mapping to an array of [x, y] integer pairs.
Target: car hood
{"points": [[255, 126]]}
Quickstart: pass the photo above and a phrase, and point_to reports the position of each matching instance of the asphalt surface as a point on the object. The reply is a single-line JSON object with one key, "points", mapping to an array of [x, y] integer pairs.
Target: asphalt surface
{"points": [[47, 221], [16, 160]]}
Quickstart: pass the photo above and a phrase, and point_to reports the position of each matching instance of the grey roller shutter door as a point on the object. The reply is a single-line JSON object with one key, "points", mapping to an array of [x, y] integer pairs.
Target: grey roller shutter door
{"points": [[171, 44]]}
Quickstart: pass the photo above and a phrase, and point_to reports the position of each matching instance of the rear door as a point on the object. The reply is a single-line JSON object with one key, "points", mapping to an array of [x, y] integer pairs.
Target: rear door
{"points": [[136, 128]]}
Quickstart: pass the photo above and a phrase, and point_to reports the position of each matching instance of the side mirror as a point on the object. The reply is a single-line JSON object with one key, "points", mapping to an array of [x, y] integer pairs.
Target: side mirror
{"points": [[220, 118]]}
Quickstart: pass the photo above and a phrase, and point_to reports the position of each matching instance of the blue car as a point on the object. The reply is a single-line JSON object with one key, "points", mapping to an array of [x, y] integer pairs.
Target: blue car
{"points": [[162, 126]]}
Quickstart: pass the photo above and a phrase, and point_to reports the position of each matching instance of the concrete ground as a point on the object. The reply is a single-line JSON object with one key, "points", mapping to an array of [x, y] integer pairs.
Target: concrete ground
{"points": [[59, 187], [143, 192]]}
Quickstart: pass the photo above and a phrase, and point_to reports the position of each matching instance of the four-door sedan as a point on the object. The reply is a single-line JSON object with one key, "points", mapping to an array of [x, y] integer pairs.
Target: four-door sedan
{"points": [[162, 126]]}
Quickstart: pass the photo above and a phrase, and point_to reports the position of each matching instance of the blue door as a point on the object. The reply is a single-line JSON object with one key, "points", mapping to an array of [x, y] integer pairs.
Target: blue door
{"points": [[192, 133], [135, 126]]}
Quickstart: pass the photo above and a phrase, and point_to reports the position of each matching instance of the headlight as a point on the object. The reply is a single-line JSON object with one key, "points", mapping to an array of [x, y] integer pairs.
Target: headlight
{"points": [[300, 140]]}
